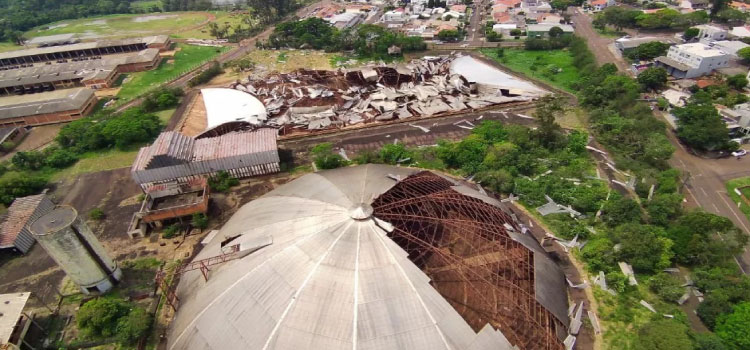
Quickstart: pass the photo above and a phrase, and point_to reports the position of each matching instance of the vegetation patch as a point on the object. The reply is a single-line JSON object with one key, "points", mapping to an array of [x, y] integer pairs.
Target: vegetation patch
{"points": [[187, 58], [740, 183], [122, 25], [554, 67]]}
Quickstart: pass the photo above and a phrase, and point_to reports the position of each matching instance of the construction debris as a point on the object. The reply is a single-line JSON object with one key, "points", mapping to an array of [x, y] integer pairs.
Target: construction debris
{"points": [[575, 322], [648, 306], [316, 99], [594, 322], [553, 208], [627, 270]]}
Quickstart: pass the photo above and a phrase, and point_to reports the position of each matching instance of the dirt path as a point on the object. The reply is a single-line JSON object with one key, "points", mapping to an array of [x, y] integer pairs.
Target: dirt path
{"points": [[598, 44]]}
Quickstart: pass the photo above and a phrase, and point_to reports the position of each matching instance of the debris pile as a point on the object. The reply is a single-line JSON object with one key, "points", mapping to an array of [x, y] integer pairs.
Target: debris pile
{"points": [[316, 99]]}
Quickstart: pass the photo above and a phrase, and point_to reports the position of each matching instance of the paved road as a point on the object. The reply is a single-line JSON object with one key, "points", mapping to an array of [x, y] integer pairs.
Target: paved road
{"points": [[598, 44], [705, 187]]}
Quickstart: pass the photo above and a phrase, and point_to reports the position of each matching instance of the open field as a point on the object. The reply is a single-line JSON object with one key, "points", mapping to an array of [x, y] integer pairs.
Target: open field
{"points": [[222, 18], [98, 161], [740, 182], [188, 57], [123, 25], [6, 46], [283, 61], [554, 67]]}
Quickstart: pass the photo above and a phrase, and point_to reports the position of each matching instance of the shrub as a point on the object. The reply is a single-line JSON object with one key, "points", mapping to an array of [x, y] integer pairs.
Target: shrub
{"points": [[324, 157], [199, 221], [222, 182], [99, 317], [96, 214], [170, 231], [134, 326], [205, 76], [666, 286]]}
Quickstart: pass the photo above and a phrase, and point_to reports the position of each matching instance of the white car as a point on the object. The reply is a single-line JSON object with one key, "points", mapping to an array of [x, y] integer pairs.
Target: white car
{"points": [[739, 153]]}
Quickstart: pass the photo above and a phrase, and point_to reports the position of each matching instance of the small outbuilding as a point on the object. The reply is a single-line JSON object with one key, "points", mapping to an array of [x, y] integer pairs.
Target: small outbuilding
{"points": [[14, 227]]}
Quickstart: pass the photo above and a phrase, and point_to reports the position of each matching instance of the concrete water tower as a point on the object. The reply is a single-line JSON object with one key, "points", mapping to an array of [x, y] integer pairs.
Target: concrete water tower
{"points": [[70, 242]]}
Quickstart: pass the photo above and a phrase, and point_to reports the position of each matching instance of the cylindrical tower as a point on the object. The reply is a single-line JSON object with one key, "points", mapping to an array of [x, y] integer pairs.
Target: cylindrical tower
{"points": [[70, 242]]}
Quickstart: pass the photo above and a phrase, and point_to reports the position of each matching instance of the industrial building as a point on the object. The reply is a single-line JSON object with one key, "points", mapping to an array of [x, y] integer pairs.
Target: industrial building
{"points": [[14, 224], [371, 257], [229, 105], [22, 58], [177, 157], [71, 244], [169, 201], [53, 40], [14, 321], [93, 73], [46, 108]]}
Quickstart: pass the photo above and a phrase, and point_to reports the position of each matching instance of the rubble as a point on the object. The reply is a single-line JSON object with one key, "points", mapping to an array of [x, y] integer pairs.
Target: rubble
{"points": [[315, 99]]}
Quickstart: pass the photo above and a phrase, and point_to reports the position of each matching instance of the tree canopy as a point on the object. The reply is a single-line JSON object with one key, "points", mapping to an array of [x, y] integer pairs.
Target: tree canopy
{"points": [[734, 328]]}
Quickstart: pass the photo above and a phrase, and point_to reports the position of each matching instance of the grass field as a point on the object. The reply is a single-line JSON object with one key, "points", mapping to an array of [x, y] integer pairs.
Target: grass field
{"points": [[6, 46], [222, 18], [123, 25], [554, 67], [740, 182], [91, 162], [187, 58], [165, 115]]}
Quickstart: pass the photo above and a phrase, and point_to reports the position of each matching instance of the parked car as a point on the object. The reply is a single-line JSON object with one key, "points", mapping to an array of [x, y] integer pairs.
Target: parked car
{"points": [[739, 153]]}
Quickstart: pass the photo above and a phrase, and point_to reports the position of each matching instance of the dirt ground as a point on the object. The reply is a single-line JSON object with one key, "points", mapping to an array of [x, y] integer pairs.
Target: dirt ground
{"points": [[36, 138], [193, 121], [116, 195]]}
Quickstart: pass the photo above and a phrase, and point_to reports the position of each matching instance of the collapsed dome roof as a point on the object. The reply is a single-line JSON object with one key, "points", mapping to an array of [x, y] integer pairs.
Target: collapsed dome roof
{"points": [[354, 258]]}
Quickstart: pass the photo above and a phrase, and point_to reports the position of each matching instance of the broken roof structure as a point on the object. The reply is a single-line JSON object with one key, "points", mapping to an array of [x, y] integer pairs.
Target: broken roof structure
{"points": [[14, 225], [177, 157], [313, 99], [373, 257], [11, 312]]}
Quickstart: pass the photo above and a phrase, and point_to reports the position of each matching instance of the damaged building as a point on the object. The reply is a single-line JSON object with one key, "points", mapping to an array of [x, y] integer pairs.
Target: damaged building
{"points": [[315, 99], [371, 257], [175, 157], [169, 201]]}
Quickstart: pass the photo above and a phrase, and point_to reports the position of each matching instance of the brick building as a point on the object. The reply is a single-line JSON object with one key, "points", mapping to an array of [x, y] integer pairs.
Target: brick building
{"points": [[46, 108]]}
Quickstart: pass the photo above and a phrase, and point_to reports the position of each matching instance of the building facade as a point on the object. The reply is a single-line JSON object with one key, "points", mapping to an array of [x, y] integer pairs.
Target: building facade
{"points": [[692, 60]]}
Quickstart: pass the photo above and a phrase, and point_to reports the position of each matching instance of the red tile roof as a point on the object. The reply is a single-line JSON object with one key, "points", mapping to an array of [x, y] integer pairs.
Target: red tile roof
{"points": [[16, 218]]}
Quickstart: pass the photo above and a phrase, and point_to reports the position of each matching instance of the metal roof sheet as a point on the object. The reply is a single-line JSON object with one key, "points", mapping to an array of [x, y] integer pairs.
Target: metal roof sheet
{"points": [[44, 102], [85, 46]]}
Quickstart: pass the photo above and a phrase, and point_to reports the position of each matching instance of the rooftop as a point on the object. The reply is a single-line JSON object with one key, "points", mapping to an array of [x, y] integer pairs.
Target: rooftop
{"points": [[629, 43], [17, 216], [228, 105], [45, 102], [11, 308], [545, 27], [370, 257], [699, 49], [673, 63], [45, 73], [84, 46]]}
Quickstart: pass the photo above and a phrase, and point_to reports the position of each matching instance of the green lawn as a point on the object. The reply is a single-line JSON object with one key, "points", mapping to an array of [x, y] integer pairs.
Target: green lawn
{"points": [[165, 115], [186, 59], [7, 46], [739, 182], [554, 67], [122, 25], [222, 18], [91, 162]]}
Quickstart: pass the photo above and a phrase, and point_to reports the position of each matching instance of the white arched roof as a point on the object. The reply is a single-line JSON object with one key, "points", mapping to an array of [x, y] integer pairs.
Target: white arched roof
{"points": [[228, 105]]}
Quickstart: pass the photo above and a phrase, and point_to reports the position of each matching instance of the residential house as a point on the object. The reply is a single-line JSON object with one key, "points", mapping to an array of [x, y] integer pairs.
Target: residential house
{"points": [[740, 32], [542, 30], [458, 8], [692, 60], [708, 33], [699, 4], [395, 16], [600, 5], [740, 6], [550, 18], [627, 44], [452, 14], [504, 28]]}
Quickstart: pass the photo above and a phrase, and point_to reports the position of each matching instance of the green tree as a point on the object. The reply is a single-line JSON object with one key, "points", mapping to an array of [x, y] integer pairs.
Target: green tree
{"points": [[737, 81], [708, 341], [98, 317], [734, 328], [134, 326], [669, 288], [555, 32], [448, 35], [744, 54], [644, 246], [701, 127], [690, 33], [222, 182], [620, 210], [653, 78], [499, 181], [549, 132], [664, 335], [648, 51]]}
